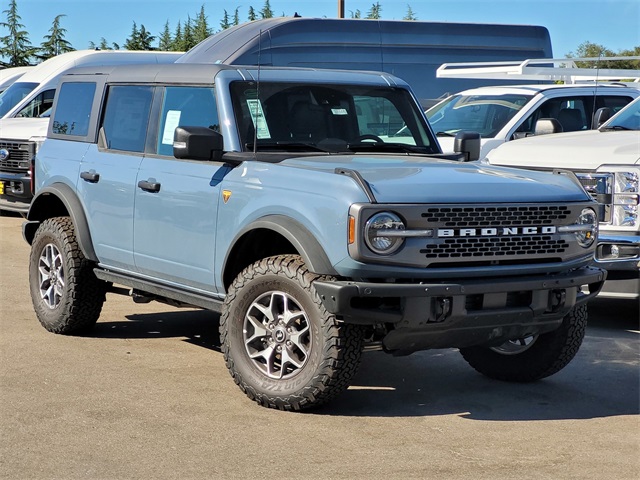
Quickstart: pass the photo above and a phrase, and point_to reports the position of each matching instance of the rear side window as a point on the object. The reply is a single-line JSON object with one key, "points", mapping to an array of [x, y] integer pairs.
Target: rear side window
{"points": [[186, 106], [74, 108], [126, 117], [39, 105]]}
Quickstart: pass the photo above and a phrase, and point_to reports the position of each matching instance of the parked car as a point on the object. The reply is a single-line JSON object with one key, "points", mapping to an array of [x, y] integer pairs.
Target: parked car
{"points": [[288, 200], [607, 163], [10, 75]]}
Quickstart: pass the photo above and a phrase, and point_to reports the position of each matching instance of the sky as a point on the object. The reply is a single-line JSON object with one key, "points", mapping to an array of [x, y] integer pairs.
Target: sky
{"points": [[614, 24]]}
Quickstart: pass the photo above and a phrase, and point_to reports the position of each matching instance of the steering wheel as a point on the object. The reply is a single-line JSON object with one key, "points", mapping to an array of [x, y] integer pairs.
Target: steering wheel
{"points": [[369, 136]]}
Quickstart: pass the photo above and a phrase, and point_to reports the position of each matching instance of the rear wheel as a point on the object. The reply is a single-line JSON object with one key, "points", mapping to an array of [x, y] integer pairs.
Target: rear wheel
{"points": [[66, 295], [534, 357], [282, 348]]}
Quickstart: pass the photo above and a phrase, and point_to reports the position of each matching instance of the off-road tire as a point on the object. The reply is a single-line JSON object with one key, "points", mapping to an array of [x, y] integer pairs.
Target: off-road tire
{"points": [[334, 349], [550, 352], [73, 305]]}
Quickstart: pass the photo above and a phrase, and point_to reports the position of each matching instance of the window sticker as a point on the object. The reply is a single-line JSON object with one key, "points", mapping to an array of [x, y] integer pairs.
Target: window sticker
{"points": [[170, 124], [257, 115], [339, 111]]}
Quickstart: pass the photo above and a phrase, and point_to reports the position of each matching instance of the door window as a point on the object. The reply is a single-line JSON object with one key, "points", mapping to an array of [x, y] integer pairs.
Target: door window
{"points": [[126, 117]]}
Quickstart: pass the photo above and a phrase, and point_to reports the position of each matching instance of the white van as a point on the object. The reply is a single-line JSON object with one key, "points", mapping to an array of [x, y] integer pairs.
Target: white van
{"points": [[10, 75], [24, 114]]}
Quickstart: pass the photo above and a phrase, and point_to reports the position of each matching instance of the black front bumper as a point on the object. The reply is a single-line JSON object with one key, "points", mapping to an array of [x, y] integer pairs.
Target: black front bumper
{"points": [[16, 192], [459, 314]]}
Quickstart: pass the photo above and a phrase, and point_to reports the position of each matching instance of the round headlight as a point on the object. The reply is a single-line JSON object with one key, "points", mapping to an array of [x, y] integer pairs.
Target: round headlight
{"points": [[587, 237], [375, 229]]}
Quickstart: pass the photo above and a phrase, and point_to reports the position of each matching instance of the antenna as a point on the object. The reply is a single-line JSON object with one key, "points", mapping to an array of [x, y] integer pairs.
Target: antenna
{"points": [[257, 103], [595, 90]]}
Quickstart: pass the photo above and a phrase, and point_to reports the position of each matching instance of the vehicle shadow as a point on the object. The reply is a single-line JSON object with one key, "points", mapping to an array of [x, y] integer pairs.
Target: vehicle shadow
{"points": [[601, 381]]}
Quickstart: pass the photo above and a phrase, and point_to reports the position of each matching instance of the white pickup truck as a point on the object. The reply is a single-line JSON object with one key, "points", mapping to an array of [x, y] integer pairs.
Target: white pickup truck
{"points": [[607, 163]]}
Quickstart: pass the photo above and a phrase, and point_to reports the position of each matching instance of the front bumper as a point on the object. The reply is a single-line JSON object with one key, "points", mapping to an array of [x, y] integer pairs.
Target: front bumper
{"points": [[459, 314], [623, 280], [15, 192]]}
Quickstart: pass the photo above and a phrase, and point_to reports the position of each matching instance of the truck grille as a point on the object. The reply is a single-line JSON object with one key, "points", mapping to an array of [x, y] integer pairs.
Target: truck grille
{"points": [[496, 216], [474, 247], [600, 187], [19, 157]]}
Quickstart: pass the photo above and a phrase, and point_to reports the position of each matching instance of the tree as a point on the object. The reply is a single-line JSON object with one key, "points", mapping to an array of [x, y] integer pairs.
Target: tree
{"points": [[251, 16], [15, 46], [375, 12], [236, 17], [131, 43], [588, 49], [356, 14], [140, 39], [178, 39], [224, 24], [266, 11], [165, 41], [201, 29], [410, 15], [188, 40], [55, 43]]}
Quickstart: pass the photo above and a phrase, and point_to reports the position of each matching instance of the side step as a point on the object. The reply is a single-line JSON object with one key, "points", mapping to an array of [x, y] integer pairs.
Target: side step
{"points": [[162, 291]]}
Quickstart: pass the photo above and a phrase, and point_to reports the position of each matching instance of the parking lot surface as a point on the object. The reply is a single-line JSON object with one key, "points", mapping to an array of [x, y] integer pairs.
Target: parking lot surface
{"points": [[147, 395]]}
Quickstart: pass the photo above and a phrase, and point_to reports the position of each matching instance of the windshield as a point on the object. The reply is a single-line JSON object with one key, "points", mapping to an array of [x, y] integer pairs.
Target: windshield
{"points": [[331, 118], [485, 114], [13, 95], [626, 119]]}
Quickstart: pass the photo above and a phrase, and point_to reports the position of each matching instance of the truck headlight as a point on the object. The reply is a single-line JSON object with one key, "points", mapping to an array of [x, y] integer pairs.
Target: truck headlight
{"points": [[379, 233], [625, 198], [587, 236]]}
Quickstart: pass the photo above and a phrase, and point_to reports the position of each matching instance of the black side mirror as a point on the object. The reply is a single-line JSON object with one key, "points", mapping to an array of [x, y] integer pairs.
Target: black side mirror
{"points": [[467, 143], [602, 115], [545, 126], [197, 143]]}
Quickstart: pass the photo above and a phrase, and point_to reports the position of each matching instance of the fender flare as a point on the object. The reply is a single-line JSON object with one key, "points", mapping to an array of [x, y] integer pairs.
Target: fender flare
{"points": [[38, 213], [297, 234]]}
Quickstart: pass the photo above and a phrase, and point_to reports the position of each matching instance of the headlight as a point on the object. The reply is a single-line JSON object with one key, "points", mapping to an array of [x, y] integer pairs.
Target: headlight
{"points": [[375, 229], [625, 199], [588, 218]]}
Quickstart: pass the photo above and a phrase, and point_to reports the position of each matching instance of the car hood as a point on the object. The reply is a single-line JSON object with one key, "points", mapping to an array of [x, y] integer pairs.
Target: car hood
{"points": [[23, 128], [404, 179], [574, 150]]}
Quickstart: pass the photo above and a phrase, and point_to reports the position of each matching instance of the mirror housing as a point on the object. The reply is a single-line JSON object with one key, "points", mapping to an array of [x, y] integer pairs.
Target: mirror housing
{"points": [[602, 115], [197, 143], [467, 143], [545, 126]]}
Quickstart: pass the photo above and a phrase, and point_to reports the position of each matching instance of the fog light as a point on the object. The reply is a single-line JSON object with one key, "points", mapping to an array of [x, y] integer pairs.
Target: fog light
{"points": [[614, 251]]}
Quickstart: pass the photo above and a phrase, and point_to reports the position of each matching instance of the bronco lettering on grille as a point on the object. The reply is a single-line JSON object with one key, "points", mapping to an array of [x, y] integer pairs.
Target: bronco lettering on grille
{"points": [[494, 231]]}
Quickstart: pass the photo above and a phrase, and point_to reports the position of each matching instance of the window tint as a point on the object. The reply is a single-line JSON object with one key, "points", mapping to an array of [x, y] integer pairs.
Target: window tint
{"points": [[187, 106], [74, 108], [126, 117]]}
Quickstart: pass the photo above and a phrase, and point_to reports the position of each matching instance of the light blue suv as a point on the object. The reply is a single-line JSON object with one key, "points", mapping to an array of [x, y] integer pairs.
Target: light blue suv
{"points": [[315, 211]]}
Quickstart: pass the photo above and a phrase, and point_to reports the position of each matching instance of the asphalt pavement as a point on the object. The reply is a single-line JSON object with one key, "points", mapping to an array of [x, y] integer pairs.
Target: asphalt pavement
{"points": [[146, 395]]}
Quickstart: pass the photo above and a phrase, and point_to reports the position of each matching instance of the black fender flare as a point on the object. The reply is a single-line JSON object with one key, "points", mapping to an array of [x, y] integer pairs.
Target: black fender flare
{"points": [[298, 235], [39, 212]]}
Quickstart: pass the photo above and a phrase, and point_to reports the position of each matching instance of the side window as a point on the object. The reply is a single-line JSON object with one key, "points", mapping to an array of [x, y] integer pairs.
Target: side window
{"points": [[614, 103], [188, 106], [40, 104], [573, 113], [74, 108], [126, 117]]}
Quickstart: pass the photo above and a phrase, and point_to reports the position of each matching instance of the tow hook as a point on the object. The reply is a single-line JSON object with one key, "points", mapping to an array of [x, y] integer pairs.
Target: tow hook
{"points": [[557, 299], [441, 309]]}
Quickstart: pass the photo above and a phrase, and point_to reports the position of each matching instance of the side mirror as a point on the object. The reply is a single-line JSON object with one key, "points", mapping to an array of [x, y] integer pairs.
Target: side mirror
{"points": [[545, 126], [467, 143], [197, 143], [602, 115]]}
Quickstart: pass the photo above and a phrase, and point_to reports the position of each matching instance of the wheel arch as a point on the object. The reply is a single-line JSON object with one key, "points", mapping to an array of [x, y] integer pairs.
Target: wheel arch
{"points": [[59, 200], [274, 235]]}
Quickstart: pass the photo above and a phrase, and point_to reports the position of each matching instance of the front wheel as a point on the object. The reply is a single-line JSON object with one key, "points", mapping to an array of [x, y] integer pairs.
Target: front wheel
{"points": [[534, 357], [282, 348], [66, 294]]}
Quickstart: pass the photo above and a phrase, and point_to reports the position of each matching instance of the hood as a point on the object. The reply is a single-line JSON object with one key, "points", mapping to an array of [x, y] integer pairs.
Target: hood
{"points": [[574, 150], [404, 179], [23, 128]]}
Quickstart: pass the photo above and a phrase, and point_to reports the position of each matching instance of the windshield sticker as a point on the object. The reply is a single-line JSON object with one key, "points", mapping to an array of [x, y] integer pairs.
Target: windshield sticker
{"points": [[339, 111], [257, 115], [170, 124]]}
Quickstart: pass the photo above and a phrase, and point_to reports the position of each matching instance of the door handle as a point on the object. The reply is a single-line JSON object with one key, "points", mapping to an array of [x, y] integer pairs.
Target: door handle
{"points": [[91, 177], [148, 186]]}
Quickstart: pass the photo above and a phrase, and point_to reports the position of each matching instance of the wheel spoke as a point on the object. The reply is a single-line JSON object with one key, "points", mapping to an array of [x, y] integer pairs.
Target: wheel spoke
{"points": [[259, 330]]}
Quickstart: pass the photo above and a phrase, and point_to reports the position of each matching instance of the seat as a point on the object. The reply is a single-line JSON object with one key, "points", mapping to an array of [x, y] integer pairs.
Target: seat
{"points": [[307, 122], [570, 119]]}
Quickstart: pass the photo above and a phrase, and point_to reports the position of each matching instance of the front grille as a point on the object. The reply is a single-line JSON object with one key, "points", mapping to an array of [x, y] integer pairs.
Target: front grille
{"points": [[600, 187], [496, 216], [475, 247], [19, 157]]}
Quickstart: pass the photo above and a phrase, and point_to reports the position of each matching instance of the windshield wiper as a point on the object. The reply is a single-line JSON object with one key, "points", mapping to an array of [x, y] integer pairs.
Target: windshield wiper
{"points": [[616, 127], [288, 146], [386, 147], [445, 134]]}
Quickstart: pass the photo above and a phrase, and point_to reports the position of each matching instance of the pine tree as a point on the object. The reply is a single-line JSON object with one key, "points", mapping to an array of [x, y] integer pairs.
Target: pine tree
{"points": [[356, 14], [15, 46], [178, 40], [131, 43], [145, 39], [251, 16], [187, 36], [375, 12], [55, 43], [236, 17], [266, 11], [410, 15], [201, 29], [224, 23], [165, 41]]}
